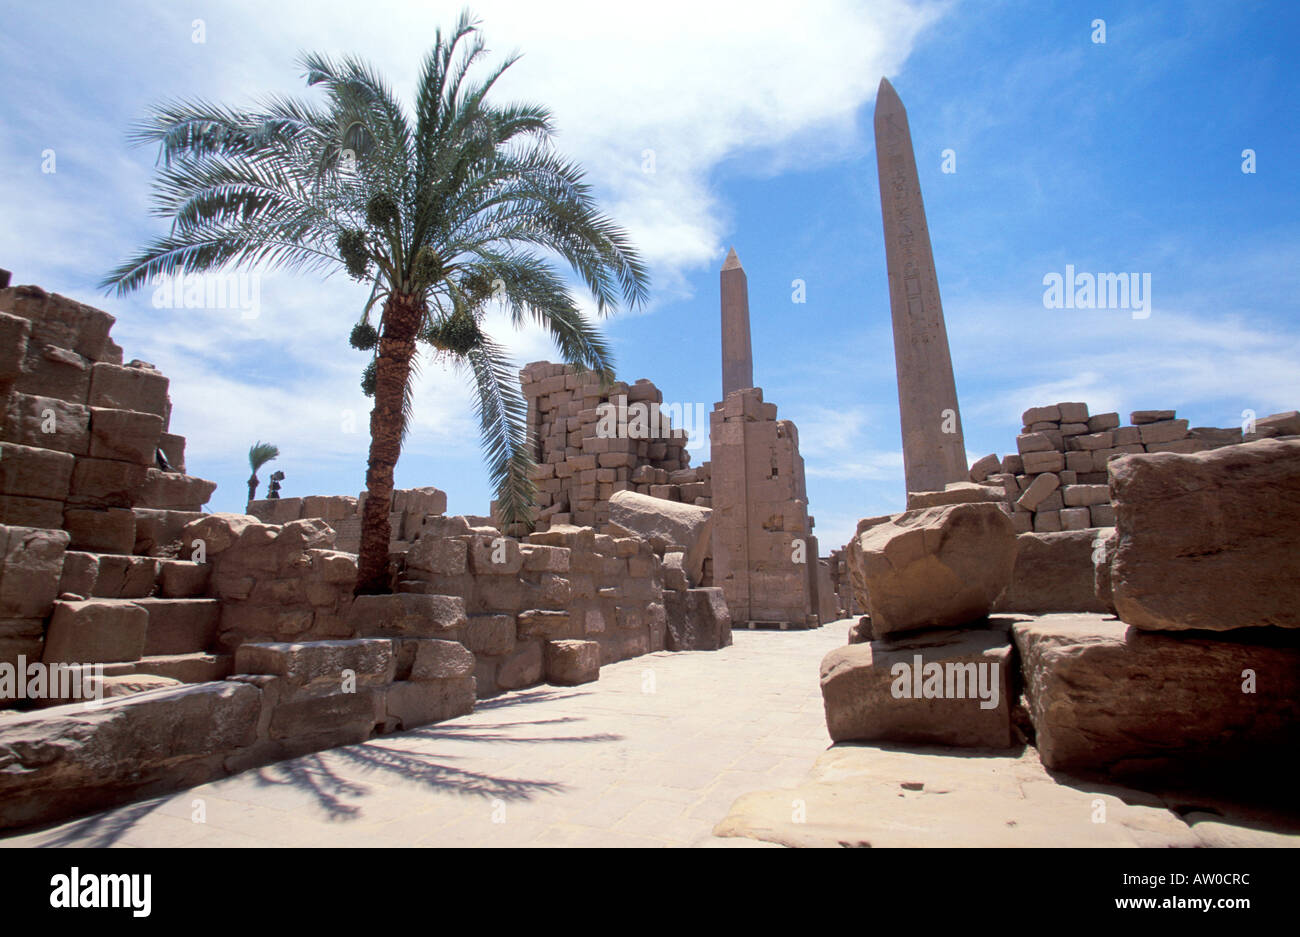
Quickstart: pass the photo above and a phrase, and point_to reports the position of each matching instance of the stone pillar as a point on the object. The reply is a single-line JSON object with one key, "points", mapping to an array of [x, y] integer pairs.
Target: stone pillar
{"points": [[934, 452], [760, 510], [737, 354]]}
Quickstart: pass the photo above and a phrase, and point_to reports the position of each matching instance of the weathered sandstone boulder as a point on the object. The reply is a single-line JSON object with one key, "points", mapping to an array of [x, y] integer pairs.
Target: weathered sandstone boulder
{"points": [[1209, 540], [670, 526], [31, 565], [938, 688], [938, 567], [71, 758], [698, 620], [571, 662], [1106, 697], [1054, 572]]}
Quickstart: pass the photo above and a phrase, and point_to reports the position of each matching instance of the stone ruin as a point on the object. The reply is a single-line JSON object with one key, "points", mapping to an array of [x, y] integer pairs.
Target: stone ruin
{"points": [[765, 556], [343, 513], [1057, 478], [581, 463], [1121, 597], [215, 642], [1133, 661]]}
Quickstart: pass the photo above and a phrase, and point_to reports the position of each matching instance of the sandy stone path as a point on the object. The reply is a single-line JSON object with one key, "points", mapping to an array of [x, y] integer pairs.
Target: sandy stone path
{"points": [[657, 753], [653, 754]]}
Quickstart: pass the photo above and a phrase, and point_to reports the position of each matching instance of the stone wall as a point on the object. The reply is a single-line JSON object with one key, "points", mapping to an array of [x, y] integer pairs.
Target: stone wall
{"points": [[579, 466], [82, 434], [1057, 479], [343, 513]]}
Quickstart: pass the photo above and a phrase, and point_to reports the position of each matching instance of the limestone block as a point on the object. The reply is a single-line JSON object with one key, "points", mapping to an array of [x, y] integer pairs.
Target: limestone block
{"points": [[1053, 572], [1038, 490], [571, 662], [1163, 431], [31, 565], [50, 371], [1096, 707], [110, 530], [26, 471], [542, 623], [1047, 521], [1073, 412], [126, 388], [173, 491], [73, 759], [697, 620], [1040, 414], [407, 615], [320, 663], [522, 667], [412, 704], [47, 423], [1140, 417], [1084, 495], [441, 660], [96, 631], [1039, 462], [941, 688], [446, 557], [1103, 421], [125, 435], [105, 483], [1208, 541], [490, 635]]}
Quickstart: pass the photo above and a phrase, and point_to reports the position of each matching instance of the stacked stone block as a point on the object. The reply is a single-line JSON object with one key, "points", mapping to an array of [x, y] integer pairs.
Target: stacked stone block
{"points": [[1057, 480], [343, 513], [578, 470], [764, 554], [82, 432], [565, 584]]}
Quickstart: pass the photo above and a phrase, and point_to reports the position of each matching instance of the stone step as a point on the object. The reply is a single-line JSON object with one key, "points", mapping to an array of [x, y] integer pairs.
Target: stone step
{"points": [[179, 626], [181, 579], [188, 668]]}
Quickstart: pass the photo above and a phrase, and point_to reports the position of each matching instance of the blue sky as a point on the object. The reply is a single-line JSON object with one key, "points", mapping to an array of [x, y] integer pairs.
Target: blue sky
{"points": [[1122, 156]]}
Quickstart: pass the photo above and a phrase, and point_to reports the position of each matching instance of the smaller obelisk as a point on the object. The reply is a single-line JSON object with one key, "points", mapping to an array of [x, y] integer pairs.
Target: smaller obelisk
{"points": [[934, 452], [737, 355]]}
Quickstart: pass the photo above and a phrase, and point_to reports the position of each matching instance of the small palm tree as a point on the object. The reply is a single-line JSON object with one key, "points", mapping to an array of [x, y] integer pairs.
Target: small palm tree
{"points": [[442, 216], [259, 453]]}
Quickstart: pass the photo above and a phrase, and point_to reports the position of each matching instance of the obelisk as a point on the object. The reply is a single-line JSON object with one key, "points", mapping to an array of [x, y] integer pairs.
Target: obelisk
{"points": [[934, 452], [737, 355]]}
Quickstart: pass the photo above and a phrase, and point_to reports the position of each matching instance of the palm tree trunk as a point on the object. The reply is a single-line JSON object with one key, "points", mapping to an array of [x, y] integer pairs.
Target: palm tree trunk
{"points": [[252, 488], [401, 321]]}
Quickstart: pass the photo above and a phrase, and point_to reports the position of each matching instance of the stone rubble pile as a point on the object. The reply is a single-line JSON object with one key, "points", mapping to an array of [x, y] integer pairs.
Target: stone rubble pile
{"points": [[1197, 676], [581, 464], [1057, 478]]}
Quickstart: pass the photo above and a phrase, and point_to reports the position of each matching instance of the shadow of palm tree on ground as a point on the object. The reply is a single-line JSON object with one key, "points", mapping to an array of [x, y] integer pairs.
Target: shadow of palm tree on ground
{"points": [[319, 773]]}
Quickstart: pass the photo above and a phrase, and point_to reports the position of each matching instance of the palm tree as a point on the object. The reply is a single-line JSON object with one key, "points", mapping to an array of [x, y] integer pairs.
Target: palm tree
{"points": [[443, 215], [259, 453]]}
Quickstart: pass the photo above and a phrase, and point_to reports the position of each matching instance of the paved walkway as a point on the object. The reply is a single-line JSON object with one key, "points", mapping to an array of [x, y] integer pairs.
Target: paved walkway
{"points": [[654, 754]]}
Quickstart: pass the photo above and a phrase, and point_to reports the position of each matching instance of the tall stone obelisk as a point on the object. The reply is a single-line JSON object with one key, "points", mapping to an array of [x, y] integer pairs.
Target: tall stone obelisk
{"points": [[934, 452], [737, 354]]}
